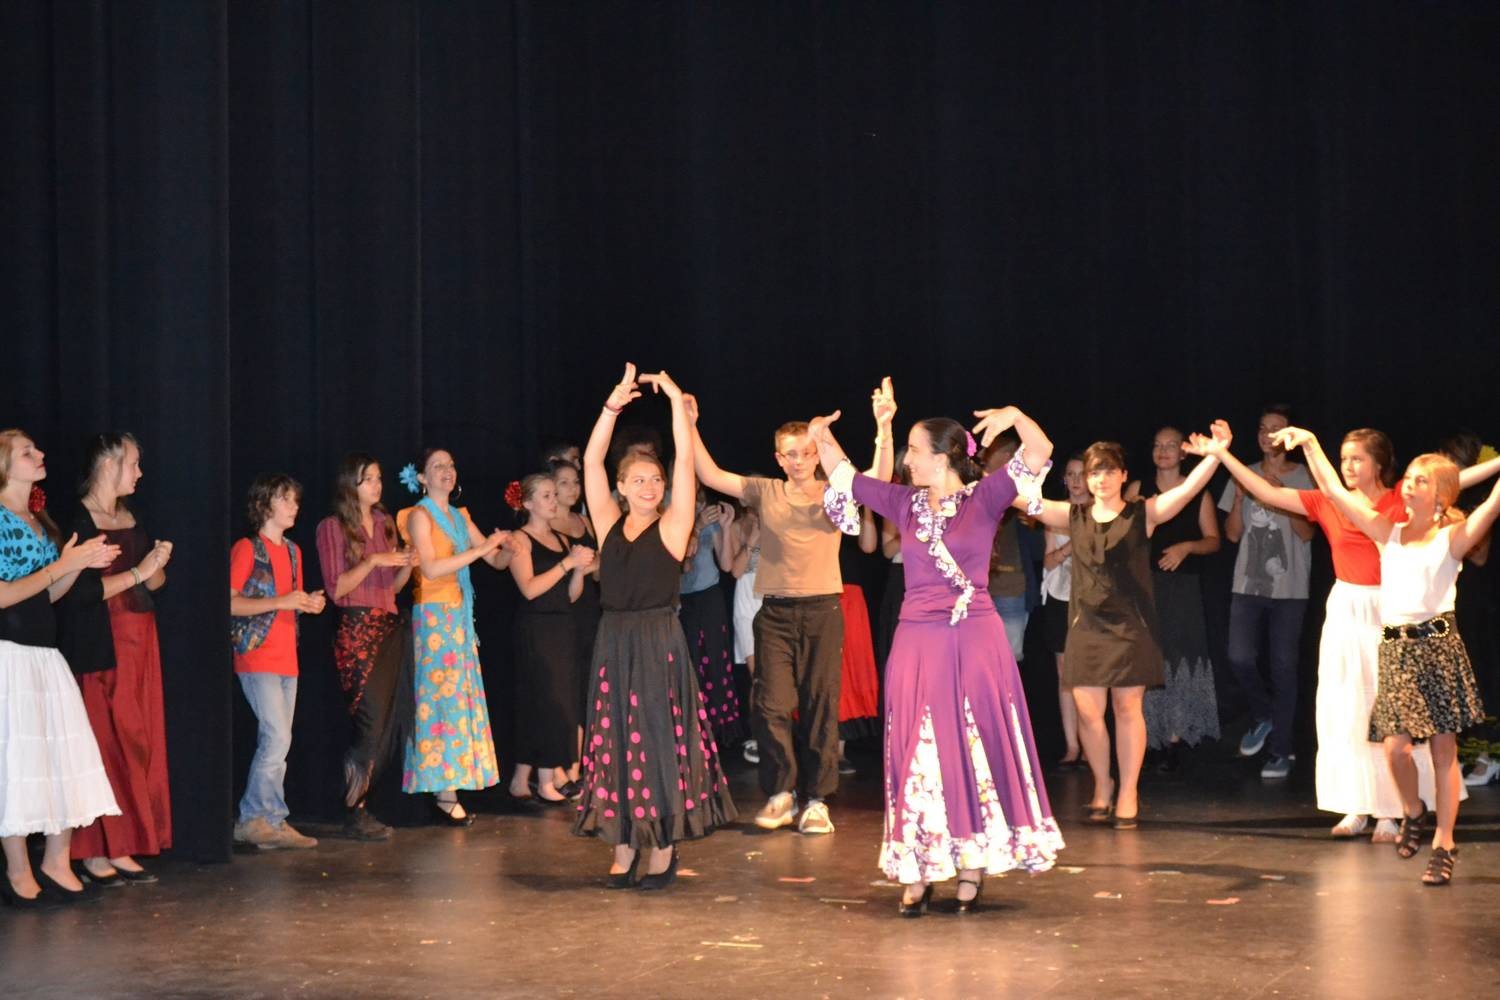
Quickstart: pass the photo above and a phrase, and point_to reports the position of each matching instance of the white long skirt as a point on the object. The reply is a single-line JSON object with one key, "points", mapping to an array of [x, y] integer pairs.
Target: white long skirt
{"points": [[51, 777], [1352, 775], [746, 604]]}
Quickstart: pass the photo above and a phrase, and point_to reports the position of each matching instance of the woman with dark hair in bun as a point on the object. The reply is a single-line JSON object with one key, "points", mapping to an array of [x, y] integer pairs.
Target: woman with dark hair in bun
{"points": [[364, 568], [963, 791], [1113, 653], [549, 573], [107, 627]]}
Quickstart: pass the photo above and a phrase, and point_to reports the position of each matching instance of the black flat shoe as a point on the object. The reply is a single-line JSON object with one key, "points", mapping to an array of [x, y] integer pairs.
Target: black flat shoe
{"points": [[445, 817], [1126, 823], [110, 881], [919, 907], [625, 879], [56, 892], [970, 905], [142, 877], [542, 800], [1100, 814], [15, 899], [662, 879], [571, 791]]}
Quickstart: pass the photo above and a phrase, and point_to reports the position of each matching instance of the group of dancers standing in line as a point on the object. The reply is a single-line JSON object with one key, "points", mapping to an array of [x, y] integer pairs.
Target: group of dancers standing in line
{"points": [[964, 795]]}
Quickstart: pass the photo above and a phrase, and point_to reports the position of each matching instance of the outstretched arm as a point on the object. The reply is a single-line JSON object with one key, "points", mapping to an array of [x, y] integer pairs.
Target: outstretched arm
{"points": [[1477, 473], [708, 471], [1168, 504], [1376, 526], [1267, 495], [883, 404], [1470, 531], [677, 522], [603, 510]]}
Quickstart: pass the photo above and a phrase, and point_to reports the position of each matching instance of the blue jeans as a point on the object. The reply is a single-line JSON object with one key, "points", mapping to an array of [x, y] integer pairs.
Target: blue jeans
{"points": [[1014, 614], [1279, 620], [272, 698]]}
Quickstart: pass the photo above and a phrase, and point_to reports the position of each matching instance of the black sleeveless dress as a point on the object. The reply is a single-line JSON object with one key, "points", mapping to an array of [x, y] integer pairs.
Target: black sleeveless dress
{"points": [[547, 669], [1187, 708], [651, 771], [1112, 623], [586, 613]]}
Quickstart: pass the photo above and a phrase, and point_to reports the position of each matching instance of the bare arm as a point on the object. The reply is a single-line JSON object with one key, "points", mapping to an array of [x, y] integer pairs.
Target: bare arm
{"points": [[1280, 497], [603, 510], [1473, 529], [533, 585], [1477, 473], [1166, 505], [1054, 558], [890, 538], [58, 576], [883, 405], [869, 537], [499, 554], [677, 521], [1376, 526], [1038, 447], [708, 471], [420, 526], [1055, 513]]}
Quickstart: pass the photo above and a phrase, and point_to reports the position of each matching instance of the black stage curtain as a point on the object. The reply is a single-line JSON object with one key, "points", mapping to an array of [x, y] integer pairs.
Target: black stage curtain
{"points": [[263, 234]]}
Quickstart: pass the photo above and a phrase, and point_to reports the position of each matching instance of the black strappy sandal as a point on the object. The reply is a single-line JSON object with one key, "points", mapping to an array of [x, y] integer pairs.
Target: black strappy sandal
{"points": [[970, 905], [1409, 836], [1440, 867]]}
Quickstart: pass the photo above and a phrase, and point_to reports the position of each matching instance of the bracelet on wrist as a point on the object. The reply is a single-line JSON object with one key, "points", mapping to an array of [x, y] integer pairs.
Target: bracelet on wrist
{"points": [[135, 576]]}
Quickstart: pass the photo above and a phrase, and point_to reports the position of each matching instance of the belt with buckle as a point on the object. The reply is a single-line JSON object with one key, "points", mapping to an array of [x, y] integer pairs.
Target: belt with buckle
{"points": [[1422, 630]]}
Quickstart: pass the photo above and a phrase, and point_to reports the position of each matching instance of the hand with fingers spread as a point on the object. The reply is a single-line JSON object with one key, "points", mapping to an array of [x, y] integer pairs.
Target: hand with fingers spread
{"points": [[818, 428], [626, 390], [1289, 438], [993, 423], [662, 382]]}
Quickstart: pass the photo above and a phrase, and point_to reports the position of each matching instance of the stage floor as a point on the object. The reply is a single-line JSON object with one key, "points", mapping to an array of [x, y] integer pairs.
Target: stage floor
{"points": [[1230, 888]]}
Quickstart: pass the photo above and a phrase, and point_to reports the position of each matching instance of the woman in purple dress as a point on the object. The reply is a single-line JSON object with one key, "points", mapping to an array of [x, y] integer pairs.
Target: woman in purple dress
{"points": [[962, 779]]}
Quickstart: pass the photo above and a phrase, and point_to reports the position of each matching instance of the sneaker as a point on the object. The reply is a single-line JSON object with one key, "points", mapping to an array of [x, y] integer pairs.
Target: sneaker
{"points": [[1387, 831], [751, 752], [1278, 766], [1253, 740], [255, 832], [1482, 772], [287, 836], [360, 825], [778, 811], [1351, 825], [815, 819], [846, 766]]}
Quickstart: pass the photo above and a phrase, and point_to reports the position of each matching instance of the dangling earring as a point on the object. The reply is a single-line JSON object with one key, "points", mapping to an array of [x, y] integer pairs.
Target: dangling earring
{"points": [[458, 492]]}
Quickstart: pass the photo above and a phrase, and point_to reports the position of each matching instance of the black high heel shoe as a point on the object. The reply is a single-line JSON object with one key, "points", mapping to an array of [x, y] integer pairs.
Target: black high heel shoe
{"points": [[14, 898], [625, 879], [56, 892], [446, 817], [970, 905], [662, 879], [919, 907], [82, 873]]}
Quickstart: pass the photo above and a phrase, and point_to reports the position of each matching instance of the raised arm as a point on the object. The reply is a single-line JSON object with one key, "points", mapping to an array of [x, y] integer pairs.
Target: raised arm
{"points": [[603, 510], [1376, 526], [1281, 497], [677, 522], [1054, 513], [1166, 505], [869, 536], [1474, 528], [992, 423], [883, 405], [708, 471], [1478, 473]]}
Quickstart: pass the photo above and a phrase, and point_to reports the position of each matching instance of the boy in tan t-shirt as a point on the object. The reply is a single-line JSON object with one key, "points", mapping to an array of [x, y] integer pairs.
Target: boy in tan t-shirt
{"points": [[799, 630]]}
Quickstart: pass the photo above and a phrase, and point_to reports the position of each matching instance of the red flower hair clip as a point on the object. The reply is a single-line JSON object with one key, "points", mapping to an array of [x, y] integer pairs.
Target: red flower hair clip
{"points": [[513, 496], [37, 500]]}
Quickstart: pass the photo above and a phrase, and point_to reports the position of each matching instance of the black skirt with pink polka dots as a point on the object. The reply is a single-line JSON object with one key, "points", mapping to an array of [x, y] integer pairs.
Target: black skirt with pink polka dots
{"points": [[651, 770]]}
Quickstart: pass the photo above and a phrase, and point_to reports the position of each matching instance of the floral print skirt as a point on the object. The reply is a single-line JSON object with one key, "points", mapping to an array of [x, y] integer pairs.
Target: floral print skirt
{"points": [[1426, 687], [451, 746], [962, 781]]}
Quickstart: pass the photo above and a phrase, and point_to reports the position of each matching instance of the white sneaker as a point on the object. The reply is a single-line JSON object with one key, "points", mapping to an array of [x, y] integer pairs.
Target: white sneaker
{"points": [[815, 819], [1351, 825], [1387, 831], [1482, 772], [750, 750], [779, 810]]}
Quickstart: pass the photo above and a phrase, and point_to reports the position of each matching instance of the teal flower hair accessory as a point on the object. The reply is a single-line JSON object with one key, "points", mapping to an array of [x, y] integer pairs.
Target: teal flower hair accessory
{"points": [[408, 477]]}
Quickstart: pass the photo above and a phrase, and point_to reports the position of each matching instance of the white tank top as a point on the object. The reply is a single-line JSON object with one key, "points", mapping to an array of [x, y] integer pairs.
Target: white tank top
{"points": [[1417, 582], [1057, 581]]}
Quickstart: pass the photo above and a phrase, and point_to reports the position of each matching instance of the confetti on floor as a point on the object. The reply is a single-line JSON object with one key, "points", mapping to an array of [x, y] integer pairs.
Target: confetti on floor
{"points": [[1105, 894], [1274, 878], [799, 881], [730, 944], [1165, 871], [1070, 870], [749, 855], [881, 883], [845, 902], [687, 873], [726, 899], [1227, 901]]}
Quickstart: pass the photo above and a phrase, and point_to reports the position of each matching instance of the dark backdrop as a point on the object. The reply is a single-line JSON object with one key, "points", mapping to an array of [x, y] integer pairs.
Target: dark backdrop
{"points": [[262, 234]]}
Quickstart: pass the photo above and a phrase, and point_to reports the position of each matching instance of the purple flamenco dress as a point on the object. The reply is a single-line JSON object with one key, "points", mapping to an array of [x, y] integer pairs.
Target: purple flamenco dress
{"points": [[963, 786]]}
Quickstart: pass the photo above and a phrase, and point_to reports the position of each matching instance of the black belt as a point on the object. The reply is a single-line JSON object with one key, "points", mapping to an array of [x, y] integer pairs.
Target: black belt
{"points": [[1422, 630], [773, 599]]}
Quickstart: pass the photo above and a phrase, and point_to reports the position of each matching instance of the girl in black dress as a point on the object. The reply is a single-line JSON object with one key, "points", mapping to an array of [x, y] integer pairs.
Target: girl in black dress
{"points": [[1113, 653], [576, 529], [651, 774], [550, 574]]}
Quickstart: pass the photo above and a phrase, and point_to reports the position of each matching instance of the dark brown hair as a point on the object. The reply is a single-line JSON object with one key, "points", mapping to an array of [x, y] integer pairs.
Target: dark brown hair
{"points": [[529, 487], [1378, 447], [264, 490], [949, 438], [1103, 455], [346, 503]]}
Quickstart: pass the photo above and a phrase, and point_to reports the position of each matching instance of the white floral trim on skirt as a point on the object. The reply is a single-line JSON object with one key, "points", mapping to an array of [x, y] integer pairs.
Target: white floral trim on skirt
{"points": [[51, 776], [918, 846]]}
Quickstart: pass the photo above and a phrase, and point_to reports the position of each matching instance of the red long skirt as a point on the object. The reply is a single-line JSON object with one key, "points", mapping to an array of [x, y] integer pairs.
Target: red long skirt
{"points": [[859, 697], [124, 706]]}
